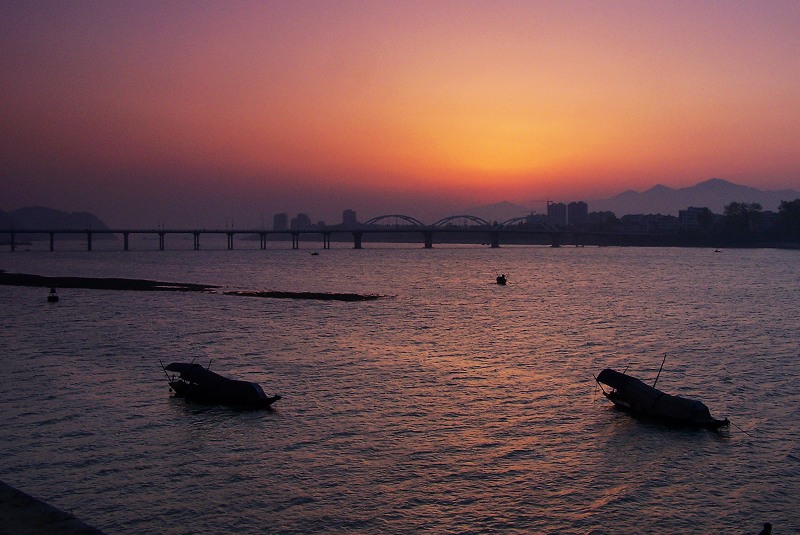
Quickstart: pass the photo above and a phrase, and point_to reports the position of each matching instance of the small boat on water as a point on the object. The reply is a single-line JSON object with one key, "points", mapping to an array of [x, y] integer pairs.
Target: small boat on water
{"points": [[52, 297], [501, 280], [632, 395], [195, 382]]}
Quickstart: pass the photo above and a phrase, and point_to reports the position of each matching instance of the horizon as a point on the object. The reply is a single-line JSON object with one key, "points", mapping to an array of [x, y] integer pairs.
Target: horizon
{"points": [[501, 210], [189, 113], [494, 209]]}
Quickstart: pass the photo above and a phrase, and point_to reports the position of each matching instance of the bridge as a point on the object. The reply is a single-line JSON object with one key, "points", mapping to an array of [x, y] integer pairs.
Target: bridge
{"points": [[394, 227]]}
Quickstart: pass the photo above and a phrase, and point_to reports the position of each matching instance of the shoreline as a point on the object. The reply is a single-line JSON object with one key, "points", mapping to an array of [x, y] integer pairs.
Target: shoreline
{"points": [[92, 283], [144, 285]]}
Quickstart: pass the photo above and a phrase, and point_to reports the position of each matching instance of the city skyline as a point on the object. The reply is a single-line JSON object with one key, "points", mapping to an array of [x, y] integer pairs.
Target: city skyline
{"points": [[196, 112]]}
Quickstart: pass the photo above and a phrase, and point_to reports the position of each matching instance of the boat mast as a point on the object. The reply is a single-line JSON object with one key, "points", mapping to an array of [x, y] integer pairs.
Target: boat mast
{"points": [[659, 370]]}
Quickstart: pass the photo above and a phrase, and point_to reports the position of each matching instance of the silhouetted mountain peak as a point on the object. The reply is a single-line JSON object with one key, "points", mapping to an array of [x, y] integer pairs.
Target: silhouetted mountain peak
{"points": [[714, 182], [714, 193]]}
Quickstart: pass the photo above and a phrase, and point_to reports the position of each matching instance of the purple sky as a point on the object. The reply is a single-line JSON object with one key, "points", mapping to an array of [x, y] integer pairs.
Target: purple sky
{"points": [[198, 112]]}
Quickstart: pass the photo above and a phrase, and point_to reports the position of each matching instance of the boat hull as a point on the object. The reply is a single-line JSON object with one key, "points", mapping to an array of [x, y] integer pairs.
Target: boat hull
{"points": [[194, 392], [625, 405], [201, 384], [632, 395]]}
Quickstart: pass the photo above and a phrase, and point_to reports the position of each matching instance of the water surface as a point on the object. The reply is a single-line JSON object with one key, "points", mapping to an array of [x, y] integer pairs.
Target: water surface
{"points": [[454, 405]]}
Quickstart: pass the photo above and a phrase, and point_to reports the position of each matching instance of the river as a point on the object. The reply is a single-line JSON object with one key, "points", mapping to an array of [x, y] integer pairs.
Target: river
{"points": [[452, 405]]}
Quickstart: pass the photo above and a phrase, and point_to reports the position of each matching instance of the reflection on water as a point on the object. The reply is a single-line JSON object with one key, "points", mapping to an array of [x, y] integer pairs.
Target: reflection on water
{"points": [[455, 405]]}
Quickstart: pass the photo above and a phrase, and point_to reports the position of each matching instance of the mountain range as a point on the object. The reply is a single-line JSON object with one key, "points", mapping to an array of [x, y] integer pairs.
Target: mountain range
{"points": [[713, 194]]}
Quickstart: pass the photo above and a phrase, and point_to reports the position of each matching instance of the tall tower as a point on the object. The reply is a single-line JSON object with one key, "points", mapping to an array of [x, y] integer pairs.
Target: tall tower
{"points": [[557, 214], [577, 213]]}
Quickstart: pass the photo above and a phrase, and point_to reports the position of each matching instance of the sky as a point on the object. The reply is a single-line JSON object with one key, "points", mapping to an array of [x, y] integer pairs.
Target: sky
{"points": [[204, 113]]}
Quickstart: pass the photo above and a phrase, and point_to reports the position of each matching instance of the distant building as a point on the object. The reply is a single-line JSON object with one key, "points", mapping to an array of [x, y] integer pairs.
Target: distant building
{"points": [[557, 214], [695, 218], [301, 222], [649, 223], [349, 219], [601, 220], [577, 213], [280, 222]]}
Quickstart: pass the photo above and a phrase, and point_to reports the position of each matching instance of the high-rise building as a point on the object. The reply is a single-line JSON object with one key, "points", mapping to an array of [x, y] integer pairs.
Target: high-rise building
{"points": [[557, 214], [349, 218], [280, 222], [302, 221], [577, 213]]}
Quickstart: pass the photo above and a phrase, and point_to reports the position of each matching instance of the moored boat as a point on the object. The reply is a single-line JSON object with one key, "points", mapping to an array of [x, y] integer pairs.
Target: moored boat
{"points": [[201, 384], [630, 394]]}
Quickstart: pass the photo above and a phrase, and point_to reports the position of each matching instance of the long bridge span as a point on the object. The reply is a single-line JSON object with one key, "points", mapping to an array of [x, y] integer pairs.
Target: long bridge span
{"points": [[394, 227]]}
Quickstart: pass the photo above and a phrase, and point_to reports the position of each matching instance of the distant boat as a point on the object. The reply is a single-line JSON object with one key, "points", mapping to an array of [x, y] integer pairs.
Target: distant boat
{"points": [[632, 395], [717, 251], [315, 253], [53, 296], [201, 384], [501, 280]]}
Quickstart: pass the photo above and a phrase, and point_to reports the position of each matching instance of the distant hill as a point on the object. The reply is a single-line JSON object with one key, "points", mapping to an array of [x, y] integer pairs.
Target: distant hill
{"points": [[714, 194], [41, 218], [501, 211]]}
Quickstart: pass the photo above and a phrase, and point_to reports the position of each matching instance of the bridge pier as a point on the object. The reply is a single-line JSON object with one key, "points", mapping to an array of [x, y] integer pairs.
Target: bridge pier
{"points": [[357, 239], [160, 241], [495, 238], [196, 242], [13, 245], [52, 241], [230, 241], [88, 240], [326, 240], [262, 240], [295, 240], [125, 240], [428, 234]]}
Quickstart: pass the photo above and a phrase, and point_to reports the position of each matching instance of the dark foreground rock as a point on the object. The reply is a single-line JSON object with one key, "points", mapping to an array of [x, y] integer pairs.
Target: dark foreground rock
{"points": [[22, 514]]}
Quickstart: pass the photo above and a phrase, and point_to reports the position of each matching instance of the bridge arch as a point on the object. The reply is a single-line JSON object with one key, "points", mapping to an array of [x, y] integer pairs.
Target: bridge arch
{"points": [[408, 219], [474, 219]]}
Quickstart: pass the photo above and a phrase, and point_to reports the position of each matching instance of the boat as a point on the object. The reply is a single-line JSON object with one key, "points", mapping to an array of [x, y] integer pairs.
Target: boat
{"points": [[194, 382], [632, 395], [501, 280], [52, 297]]}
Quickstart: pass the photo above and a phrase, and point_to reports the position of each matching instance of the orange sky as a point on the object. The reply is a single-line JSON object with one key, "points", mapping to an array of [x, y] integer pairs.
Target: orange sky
{"points": [[204, 109]]}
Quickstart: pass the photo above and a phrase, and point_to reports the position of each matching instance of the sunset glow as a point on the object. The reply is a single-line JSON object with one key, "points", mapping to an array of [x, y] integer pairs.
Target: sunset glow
{"points": [[320, 106]]}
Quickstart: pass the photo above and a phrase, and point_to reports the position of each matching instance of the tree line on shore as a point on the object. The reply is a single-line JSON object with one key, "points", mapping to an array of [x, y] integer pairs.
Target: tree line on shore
{"points": [[746, 223]]}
